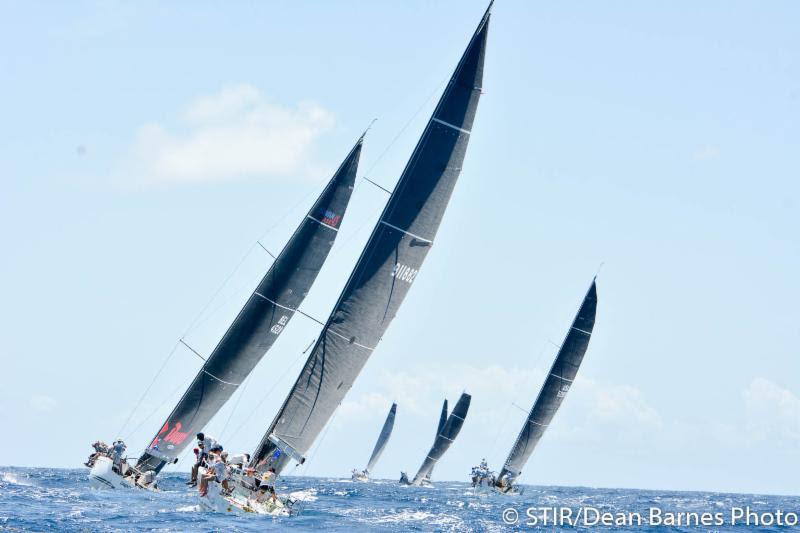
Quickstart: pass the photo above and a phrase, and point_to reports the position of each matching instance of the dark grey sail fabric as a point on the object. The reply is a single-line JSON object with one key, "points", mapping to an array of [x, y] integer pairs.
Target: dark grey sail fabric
{"points": [[383, 438], [386, 269], [444, 438], [442, 417], [555, 388], [261, 320]]}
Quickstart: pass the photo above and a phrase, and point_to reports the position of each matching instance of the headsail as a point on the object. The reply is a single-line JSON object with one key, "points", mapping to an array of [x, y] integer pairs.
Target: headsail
{"points": [[386, 269], [555, 388], [383, 438], [261, 320], [444, 438]]}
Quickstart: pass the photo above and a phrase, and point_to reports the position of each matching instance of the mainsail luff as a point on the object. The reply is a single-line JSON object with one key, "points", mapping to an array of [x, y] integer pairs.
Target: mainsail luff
{"points": [[383, 438], [442, 417], [385, 270], [262, 319], [554, 390], [444, 438]]}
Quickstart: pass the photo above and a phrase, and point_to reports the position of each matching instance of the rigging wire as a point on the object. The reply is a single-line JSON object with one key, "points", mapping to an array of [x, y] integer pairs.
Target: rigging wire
{"points": [[267, 394], [235, 406], [158, 408], [307, 463], [197, 320]]}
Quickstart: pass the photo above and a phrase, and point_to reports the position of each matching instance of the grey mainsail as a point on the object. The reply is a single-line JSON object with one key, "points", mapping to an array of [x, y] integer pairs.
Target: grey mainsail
{"points": [[442, 417], [262, 319], [444, 438], [555, 388], [383, 438], [386, 269]]}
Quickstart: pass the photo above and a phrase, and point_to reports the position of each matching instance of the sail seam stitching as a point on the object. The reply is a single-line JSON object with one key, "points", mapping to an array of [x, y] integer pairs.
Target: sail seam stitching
{"points": [[406, 232], [561, 377], [462, 130], [581, 330]]}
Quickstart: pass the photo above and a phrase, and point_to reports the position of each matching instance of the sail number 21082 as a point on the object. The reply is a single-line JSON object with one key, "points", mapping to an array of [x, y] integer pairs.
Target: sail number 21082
{"points": [[404, 272]]}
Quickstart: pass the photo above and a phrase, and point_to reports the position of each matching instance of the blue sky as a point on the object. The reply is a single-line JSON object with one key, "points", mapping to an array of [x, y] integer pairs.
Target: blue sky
{"points": [[146, 146]]}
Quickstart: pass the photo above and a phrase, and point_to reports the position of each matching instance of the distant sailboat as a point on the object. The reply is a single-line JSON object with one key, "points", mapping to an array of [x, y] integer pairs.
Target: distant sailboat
{"points": [[249, 337], [447, 431], [382, 277], [552, 394], [383, 438]]}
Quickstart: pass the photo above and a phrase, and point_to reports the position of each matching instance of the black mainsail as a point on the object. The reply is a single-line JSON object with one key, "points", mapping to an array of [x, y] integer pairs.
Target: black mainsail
{"points": [[261, 320], [386, 269], [442, 417], [555, 388], [383, 438], [444, 438]]}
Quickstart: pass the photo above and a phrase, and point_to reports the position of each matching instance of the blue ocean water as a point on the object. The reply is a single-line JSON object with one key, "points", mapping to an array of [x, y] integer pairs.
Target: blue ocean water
{"points": [[38, 499]]}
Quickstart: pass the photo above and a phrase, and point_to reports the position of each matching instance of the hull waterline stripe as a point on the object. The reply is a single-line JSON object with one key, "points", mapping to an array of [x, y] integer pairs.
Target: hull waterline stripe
{"points": [[462, 130], [107, 482], [401, 230], [582, 331], [321, 222]]}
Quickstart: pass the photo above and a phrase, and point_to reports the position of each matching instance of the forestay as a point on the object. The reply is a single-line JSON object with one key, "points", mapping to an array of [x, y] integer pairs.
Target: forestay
{"points": [[387, 268], [261, 320]]}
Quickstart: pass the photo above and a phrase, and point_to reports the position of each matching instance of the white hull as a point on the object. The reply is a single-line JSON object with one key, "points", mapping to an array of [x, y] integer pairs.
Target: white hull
{"points": [[102, 476], [215, 501], [360, 475]]}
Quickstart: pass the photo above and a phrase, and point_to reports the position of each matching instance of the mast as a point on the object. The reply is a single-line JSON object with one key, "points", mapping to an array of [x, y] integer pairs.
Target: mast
{"points": [[386, 269], [444, 438], [554, 390], [260, 322], [383, 438]]}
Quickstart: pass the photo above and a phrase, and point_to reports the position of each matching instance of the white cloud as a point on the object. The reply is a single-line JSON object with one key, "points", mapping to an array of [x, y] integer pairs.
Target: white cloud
{"points": [[43, 404], [706, 152], [234, 133], [594, 407], [773, 413]]}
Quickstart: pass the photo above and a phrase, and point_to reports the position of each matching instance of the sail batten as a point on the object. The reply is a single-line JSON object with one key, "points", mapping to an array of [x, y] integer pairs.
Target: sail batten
{"points": [[387, 267], [558, 382], [261, 320]]}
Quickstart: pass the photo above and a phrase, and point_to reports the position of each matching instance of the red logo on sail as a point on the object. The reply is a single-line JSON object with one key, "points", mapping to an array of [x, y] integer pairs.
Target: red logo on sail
{"points": [[174, 435]]}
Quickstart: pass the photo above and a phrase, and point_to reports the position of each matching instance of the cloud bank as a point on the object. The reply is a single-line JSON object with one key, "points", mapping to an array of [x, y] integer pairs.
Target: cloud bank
{"points": [[232, 134]]}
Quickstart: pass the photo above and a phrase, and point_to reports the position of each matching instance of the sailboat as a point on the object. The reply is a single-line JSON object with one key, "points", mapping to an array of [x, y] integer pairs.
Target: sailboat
{"points": [[383, 438], [382, 277], [446, 433], [252, 333], [552, 394]]}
